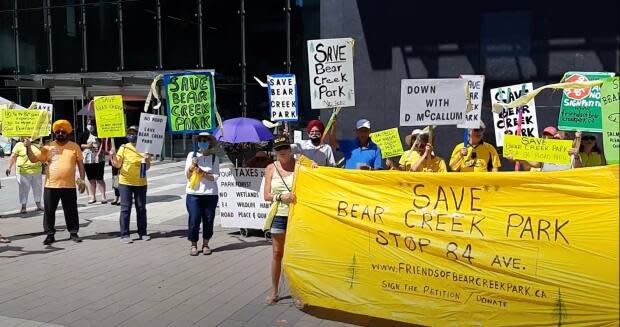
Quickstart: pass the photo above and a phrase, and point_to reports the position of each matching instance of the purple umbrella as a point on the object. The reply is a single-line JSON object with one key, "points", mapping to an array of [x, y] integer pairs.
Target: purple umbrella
{"points": [[240, 130]]}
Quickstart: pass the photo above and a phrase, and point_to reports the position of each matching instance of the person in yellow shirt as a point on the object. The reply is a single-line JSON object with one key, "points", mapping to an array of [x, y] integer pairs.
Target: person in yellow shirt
{"points": [[132, 184], [410, 156], [427, 162], [61, 156], [589, 152], [477, 155], [28, 175]]}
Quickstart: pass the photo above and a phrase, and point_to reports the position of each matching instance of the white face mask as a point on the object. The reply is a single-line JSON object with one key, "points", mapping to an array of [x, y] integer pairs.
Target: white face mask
{"points": [[90, 128]]}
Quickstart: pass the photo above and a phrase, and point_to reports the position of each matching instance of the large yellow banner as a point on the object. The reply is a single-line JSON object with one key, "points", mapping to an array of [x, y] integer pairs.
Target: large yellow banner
{"points": [[476, 249]]}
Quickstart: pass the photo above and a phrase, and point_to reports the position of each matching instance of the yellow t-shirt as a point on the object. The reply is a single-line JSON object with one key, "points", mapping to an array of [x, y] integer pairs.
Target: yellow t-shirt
{"points": [[590, 160], [130, 170], [23, 165], [435, 164], [408, 159], [485, 154], [62, 161]]}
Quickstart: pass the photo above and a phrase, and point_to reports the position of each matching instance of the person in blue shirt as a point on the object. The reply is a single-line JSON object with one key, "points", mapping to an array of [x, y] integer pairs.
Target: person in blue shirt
{"points": [[360, 152]]}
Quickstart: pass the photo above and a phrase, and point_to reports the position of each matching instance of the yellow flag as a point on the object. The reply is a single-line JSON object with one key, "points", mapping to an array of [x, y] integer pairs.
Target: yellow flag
{"points": [[478, 249]]}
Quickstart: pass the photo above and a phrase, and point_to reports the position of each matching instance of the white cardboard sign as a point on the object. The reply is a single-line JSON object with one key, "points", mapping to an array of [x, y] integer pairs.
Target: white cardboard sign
{"points": [[476, 86], [241, 198], [151, 133], [507, 121], [282, 91], [432, 101], [330, 64]]}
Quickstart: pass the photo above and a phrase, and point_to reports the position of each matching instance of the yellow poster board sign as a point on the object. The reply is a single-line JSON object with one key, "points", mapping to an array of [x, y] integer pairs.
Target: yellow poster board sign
{"points": [[537, 149], [476, 249], [23, 122], [110, 116], [47, 127], [2, 107], [389, 142]]}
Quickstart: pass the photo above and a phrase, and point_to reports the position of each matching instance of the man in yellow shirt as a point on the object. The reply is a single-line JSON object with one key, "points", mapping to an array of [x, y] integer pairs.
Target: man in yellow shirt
{"points": [[132, 184], [427, 162], [28, 175], [62, 156], [477, 155]]}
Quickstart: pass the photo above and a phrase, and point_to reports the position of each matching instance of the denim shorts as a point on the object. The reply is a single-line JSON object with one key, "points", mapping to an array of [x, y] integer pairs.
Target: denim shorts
{"points": [[278, 226]]}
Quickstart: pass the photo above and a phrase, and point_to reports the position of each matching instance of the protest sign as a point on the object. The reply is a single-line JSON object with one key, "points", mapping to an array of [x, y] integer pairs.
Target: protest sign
{"points": [[432, 101], [457, 249], [191, 106], [2, 107], [241, 198], [538, 149], [297, 137], [282, 90], [389, 142], [580, 109], [151, 133], [610, 100], [110, 116], [22, 122], [476, 86], [507, 121], [330, 64], [46, 129]]}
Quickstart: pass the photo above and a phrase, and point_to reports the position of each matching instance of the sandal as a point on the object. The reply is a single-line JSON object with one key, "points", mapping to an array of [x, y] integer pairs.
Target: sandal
{"points": [[272, 299], [23, 210], [91, 201], [4, 240], [194, 251], [206, 250]]}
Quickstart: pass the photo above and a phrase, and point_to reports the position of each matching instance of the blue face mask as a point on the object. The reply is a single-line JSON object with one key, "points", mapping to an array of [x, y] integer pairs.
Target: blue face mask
{"points": [[203, 145], [132, 138]]}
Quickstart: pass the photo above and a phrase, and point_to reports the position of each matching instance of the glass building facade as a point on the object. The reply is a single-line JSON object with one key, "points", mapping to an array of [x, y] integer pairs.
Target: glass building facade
{"points": [[238, 39]]}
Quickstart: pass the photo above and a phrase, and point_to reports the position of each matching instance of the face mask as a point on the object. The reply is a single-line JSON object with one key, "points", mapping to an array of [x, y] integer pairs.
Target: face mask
{"points": [[90, 128], [61, 137], [203, 145], [315, 139], [132, 138]]}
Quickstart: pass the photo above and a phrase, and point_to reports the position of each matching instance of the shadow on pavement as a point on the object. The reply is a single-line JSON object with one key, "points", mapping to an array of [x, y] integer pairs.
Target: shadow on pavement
{"points": [[351, 318], [161, 198], [240, 245], [21, 252]]}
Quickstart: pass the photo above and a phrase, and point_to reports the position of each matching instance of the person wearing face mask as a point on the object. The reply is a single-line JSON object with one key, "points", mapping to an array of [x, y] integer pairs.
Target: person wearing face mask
{"points": [[201, 199], [28, 175], [321, 154], [477, 156], [62, 156], [94, 161], [278, 187], [132, 184], [360, 152]]}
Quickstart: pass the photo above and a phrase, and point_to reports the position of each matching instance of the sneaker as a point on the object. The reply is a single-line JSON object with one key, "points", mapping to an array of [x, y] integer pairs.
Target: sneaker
{"points": [[126, 240], [49, 240], [75, 238], [145, 238]]}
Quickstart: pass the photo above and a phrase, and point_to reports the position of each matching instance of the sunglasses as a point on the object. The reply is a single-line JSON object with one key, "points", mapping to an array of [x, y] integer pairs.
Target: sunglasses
{"points": [[588, 139], [61, 133]]}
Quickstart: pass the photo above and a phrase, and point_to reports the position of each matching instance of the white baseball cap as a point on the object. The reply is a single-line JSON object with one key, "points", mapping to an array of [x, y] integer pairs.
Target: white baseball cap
{"points": [[362, 123]]}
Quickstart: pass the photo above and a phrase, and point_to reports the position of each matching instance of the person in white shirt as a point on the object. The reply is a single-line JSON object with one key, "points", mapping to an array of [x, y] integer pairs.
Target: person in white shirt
{"points": [[321, 154], [202, 198]]}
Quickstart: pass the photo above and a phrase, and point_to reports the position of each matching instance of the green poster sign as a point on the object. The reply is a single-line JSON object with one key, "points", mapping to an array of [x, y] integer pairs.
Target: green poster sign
{"points": [[610, 100], [190, 102], [581, 108]]}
